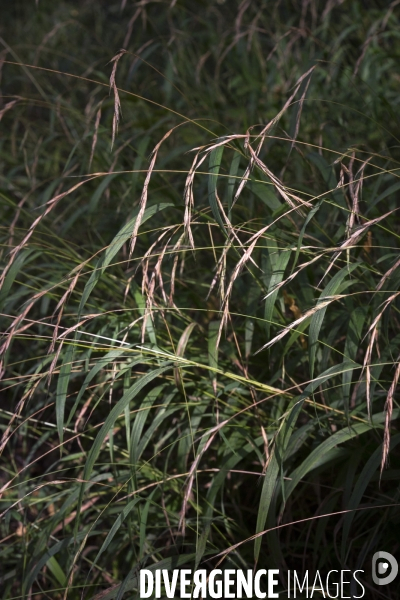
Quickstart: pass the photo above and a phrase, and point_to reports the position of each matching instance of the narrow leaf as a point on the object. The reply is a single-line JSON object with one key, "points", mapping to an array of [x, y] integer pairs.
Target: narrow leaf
{"points": [[214, 166]]}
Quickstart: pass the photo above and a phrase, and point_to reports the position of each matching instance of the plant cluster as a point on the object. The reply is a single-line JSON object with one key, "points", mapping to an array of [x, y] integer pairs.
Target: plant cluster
{"points": [[200, 289]]}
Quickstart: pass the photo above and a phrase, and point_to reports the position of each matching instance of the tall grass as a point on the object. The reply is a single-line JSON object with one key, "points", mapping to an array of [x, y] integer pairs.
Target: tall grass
{"points": [[200, 290]]}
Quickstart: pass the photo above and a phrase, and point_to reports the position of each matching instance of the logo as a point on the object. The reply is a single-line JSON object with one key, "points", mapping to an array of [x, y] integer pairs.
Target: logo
{"points": [[384, 568]]}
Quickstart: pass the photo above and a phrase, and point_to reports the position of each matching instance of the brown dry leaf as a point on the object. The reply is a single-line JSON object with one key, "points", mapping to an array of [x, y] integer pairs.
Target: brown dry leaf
{"points": [[21, 530], [367, 245], [291, 304]]}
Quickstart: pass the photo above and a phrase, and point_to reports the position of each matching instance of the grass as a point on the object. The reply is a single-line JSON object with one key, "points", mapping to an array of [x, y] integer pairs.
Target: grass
{"points": [[200, 290]]}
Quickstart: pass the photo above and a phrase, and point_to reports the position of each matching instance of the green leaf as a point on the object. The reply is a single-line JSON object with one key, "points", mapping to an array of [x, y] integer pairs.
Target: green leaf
{"points": [[357, 319], [265, 191], [232, 181], [115, 527], [141, 302], [39, 563], [217, 484], [137, 163], [19, 262], [388, 192], [140, 420], [116, 411], [310, 215], [62, 388], [131, 581], [101, 364], [143, 516], [248, 336], [163, 413], [119, 240], [328, 174], [54, 567], [101, 188], [214, 167], [213, 328], [363, 480], [180, 350], [278, 262], [316, 320], [274, 465], [278, 454], [317, 455]]}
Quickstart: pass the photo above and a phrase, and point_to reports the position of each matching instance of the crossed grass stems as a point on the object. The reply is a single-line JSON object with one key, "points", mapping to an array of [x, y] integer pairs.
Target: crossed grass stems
{"points": [[166, 365]]}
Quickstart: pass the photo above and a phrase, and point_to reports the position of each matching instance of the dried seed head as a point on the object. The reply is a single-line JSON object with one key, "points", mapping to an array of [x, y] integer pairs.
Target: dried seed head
{"points": [[113, 86]]}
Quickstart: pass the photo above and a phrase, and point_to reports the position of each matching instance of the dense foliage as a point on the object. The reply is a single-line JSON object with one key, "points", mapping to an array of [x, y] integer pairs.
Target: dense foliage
{"points": [[200, 289]]}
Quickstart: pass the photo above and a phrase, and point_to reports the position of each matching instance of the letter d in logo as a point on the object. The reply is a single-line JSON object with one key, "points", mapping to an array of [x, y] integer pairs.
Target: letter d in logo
{"points": [[385, 571]]}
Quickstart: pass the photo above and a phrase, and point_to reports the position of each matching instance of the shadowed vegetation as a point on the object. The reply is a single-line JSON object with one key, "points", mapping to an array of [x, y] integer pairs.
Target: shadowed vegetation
{"points": [[200, 290]]}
